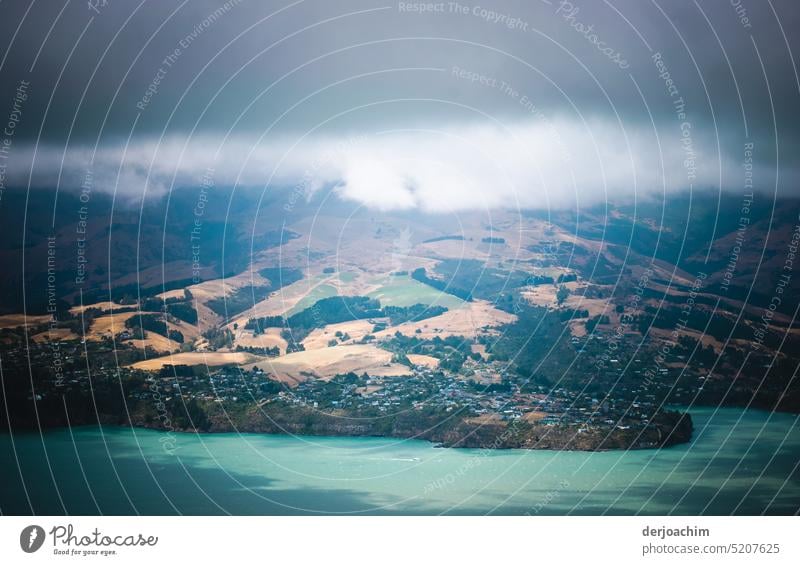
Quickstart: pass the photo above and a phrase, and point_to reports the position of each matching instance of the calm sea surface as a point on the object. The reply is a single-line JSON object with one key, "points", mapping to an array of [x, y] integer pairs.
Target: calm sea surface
{"points": [[742, 462]]}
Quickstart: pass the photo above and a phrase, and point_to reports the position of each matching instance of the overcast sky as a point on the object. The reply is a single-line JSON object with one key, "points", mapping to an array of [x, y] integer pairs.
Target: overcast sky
{"points": [[461, 105]]}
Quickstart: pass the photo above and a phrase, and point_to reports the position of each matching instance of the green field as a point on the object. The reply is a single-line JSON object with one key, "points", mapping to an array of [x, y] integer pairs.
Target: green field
{"points": [[405, 291], [317, 293]]}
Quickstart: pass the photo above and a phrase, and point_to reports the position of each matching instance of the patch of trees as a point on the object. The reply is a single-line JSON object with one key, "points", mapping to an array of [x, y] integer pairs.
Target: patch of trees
{"points": [[562, 294], [592, 323], [190, 415], [451, 351], [400, 314], [402, 359], [149, 322], [268, 351], [79, 323], [483, 282], [239, 300], [535, 280], [281, 276], [501, 387], [293, 340], [170, 371], [452, 361], [155, 304], [535, 337], [336, 309], [422, 276], [259, 324], [493, 240], [274, 238], [152, 323], [570, 314], [718, 325], [445, 238], [131, 293], [175, 335], [218, 338], [183, 311], [697, 352]]}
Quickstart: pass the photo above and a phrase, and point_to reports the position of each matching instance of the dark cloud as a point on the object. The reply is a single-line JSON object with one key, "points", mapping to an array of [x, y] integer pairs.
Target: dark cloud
{"points": [[282, 70]]}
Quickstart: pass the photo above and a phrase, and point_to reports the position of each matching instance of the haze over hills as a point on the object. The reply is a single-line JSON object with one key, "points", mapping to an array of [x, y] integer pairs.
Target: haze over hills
{"points": [[201, 234]]}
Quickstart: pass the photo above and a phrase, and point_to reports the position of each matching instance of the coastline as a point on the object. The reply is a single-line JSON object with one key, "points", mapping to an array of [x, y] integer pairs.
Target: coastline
{"points": [[672, 428]]}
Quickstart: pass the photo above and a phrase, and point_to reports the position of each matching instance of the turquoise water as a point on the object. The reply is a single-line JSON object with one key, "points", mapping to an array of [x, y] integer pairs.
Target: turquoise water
{"points": [[742, 462]]}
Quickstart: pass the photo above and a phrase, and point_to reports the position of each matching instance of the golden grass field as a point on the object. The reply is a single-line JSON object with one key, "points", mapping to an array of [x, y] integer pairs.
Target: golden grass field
{"points": [[270, 338], [106, 306], [56, 334], [330, 361], [21, 320], [423, 360], [469, 321], [210, 359], [109, 325], [356, 329], [158, 342]]}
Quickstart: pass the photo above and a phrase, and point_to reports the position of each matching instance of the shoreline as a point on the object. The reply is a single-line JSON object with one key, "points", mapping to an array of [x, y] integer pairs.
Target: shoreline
{"points": [[486, 438]]}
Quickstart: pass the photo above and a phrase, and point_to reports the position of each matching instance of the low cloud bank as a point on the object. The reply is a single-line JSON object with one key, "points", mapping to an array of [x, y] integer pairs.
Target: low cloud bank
{"points": [[536, 165]]}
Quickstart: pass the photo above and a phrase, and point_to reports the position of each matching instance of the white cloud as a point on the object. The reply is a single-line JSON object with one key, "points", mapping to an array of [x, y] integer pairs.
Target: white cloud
{"points": [[531, 165]]}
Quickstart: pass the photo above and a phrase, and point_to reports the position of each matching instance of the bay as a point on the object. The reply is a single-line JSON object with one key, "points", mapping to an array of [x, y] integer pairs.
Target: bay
{"points": [[739, 462]]}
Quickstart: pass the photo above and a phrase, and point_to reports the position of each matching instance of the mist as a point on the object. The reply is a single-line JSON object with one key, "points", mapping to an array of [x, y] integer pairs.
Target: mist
{"points": [[539, 164]]}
